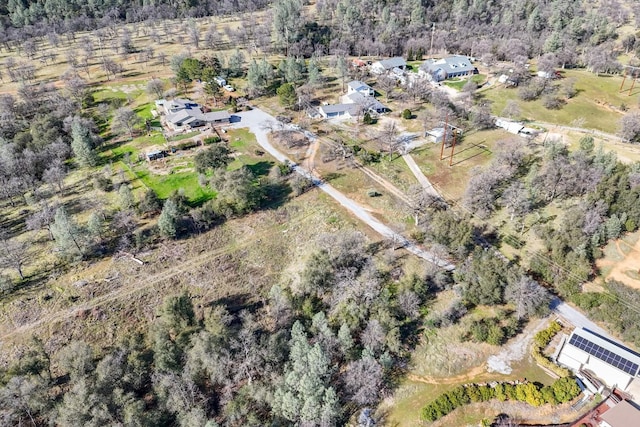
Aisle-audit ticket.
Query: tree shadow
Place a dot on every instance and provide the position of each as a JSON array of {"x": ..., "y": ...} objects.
[
  {"x": 332, "y": 175},
  {"x": 261, "y": 168},
  {"x": 276, "y": 195},
  {"x": 484, "y": 151},
  {"x": 236, "y": 303},
  {"x": 132, "y": 74}
]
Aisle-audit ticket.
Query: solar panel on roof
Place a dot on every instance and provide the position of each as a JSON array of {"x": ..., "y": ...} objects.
[{"x": 603, "y": 354}]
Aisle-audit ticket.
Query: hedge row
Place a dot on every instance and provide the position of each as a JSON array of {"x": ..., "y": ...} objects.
[
  {"x": 562, "y": 390},
  {"x": 540, "y": 341}
]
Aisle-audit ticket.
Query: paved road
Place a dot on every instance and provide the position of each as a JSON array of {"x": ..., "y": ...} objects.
[
  {"x": 576, "y": 317},
  {"x": 422, "y": 179},
  {"x": 255, "y": 120}
]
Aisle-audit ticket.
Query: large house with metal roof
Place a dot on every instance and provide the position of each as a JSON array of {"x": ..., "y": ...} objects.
[
  {"x": 590, "y": 354},
  {"x": 358, "y": 100},
  {"x": 182, "y": 114},
  {"x": 447, "y": 68}
]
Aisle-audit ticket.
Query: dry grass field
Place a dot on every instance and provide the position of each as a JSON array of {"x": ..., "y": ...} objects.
[
  {"x": 235, "y": 263},
  {"x": 621, "y": 261}
]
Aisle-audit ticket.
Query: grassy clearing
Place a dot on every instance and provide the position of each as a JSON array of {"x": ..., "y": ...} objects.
[
  {"x": 164, "y": 186},
  {"x": 458, "y": 83},
  {"x": 184, "y": 136},
  {"x": 597, "y": 102},
  {"x": 474, "y": 150}
]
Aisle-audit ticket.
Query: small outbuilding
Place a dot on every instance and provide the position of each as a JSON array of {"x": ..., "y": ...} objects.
[{"x": 155, "y": 155}]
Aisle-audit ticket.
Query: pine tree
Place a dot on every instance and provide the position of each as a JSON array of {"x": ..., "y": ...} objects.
[
  {"x": 66, "y": 233},
  {"x": 314, "y": 77},
  {"x": 82, "y": 145},
  {"x": 127, "y": 201},
  {"x": 305, "y": 395},
  {"x": 168, "y": 219},
  {"x": 94, "y": 226}
]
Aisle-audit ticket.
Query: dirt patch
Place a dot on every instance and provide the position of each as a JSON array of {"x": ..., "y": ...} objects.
[
  {"x": 470, "y": 375},
  {"x": 627, "y": 270},
  {"x": 515, "y": 350}
]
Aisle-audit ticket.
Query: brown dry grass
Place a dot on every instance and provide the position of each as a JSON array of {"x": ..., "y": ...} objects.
[
  {"x": 134, "y": 68},
  {"x": 235, "y": 263},
  {"x": 622, "y": 261}
]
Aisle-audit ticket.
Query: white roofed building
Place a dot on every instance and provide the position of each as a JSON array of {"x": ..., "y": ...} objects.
[
  {"x": 380, "y": 67},
  {"x": 611, "y": 362},
  {"x": 447, "y": 68}
]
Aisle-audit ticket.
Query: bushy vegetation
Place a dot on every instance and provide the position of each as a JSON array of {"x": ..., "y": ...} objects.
[
  {"x": 317, "y": 350},
  {"x": 561, "y": 391},
  {"x": 617, "y": 307},
  {"x": 540, "y": 341},
  {"x": 493, "y": 330}
]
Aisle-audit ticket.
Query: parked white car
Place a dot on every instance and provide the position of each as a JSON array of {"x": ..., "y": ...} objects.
[{"x": 229, "y": 88}]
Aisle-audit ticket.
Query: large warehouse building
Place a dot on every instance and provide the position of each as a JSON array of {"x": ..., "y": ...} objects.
[{"x": 611, "y": 362}]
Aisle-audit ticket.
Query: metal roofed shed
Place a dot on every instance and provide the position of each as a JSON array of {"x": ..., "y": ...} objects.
[{"x": 435, "y": 134}]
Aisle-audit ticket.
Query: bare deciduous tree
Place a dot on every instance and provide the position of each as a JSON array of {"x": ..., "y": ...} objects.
[{"x": 13, "y": 253}]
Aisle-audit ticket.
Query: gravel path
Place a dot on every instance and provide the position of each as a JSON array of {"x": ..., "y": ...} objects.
[
  {"x": 255, "y": 120},
  {"x": 514, "y": 351},
  {"x": 422, "y": 179}
]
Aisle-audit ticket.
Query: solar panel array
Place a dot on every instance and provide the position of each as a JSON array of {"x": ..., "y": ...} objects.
[{"x": 603, "y": 354}]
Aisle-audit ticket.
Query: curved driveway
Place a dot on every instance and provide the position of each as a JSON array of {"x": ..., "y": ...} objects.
[{"x": 257, "y": 122}]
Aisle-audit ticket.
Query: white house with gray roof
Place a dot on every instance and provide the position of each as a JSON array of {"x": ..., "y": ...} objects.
[
  {"x": 447, "y": 68},
  {"x": 358, "y": 100},
  {"x": 367, "y": 103},
  {"x": 385, "y": 65},
  {"x": 360, "y": 87},
  {"x": 183, "y": 114},
  {"x": 334, "y": 111}
]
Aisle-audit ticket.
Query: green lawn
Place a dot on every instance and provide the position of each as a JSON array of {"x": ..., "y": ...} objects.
[
  {"x": 412, "y": 395},
  {"x": 458, "y": 84},
  {"x": 184, "y": 136},
  {"x": 593, "y": 103},
  {"x": 165, "y": 185}
]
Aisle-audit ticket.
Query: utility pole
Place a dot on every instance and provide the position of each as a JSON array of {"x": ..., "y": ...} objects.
[
  {"x": 444, "y": 136},
  {"x": 624, "y": 78},
  {"x": 453, "y": 147},
  {"x": 433, "y": 30}
]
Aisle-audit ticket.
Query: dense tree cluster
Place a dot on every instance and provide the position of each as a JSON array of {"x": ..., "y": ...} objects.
[
  {"x": 491, "y": 31},
  {"x": 618, "y": 307},
  {"x": 313, "y": 354},
  {"x": 77, "y": 15}
]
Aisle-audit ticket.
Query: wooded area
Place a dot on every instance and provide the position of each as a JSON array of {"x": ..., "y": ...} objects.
[{"x": 326, "y": 347}]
